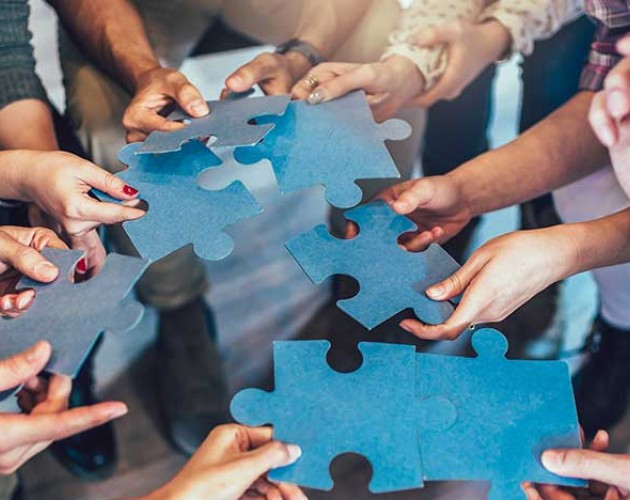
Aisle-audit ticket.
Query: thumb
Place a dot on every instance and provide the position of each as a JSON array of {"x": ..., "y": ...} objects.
[
  {"x": 20, "y": 368},
  {"x": 191, "y": 100},
  {"x": 586, "y": 464},
  {"x": 107, "y": 182},
  {"x": 428, "y": 38},
  {"x": 26, "y": 260},
  {"x": 457, "y": 283}
]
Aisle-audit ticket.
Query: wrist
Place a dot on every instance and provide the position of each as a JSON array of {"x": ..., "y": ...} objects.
[
  {"x": 143, "y": 73},
  {"x": 499, "y": 39},
  {"x": 299, "y": 65},
  {"x": 408, "y": 74},
  {"x": 17, "y": 168}
]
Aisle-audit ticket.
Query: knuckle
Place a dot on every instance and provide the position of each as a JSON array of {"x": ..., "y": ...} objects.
[{"x": 14, "y": 368}]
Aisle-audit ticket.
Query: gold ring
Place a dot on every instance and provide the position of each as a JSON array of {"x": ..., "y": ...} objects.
[{"x": 312, "y": 81}]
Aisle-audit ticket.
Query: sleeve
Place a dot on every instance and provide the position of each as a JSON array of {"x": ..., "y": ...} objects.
[
  {"x": 531, "y": 20},
  {"x": 425, "y": 14},
  {"x": 10, "y": 204},
  {"x": 18, "y": 79},
  {"x": 612, "y": 21}
]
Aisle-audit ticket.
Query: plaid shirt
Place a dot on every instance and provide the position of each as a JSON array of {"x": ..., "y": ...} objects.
[{"x": 613, "y": 21}]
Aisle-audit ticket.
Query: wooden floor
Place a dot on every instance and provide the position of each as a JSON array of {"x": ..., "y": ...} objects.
[{"x": 259, "y": 295}]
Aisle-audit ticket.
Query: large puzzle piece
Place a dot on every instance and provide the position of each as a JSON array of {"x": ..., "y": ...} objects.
[
  {"x": 230, "y": 121},
  {"x": 508, "y": 413},
  {"x": 390, "y": 278},
  {"x": 332, "y": 144},
  {"x": 372, "y": 411},
  {"x": 72, "y": 316},
  {"x": 180, "y": 211}
]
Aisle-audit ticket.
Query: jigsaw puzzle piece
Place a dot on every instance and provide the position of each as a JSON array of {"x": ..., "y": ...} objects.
[
  {"x": 327, "y": 413},
  {"x": 229, "y": 121},
  {"x": 180, "y": 211},
  {"x": 371, "y": 255},
  {"x": 508, "y": 413},
  {"x": 72, "y": 316},
  {"x": 333, "y": 144}
]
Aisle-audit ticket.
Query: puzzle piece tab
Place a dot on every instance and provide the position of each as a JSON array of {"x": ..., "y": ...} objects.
[
  {"x": 229, "y": 121},
  {"x": 371, "y": 411},
  {"x": 180, "y": 211},
  {"x": 508, "y": 413},
  {"x": 390, "y": 278},
  {"x": 72, "y": 316},
  {"x": 333, "y": 144}
]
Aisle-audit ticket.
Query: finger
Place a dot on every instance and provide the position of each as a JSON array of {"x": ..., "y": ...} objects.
[
  {"x": 618, "y": 102},
  {"x": 552, "y": 492},
  {"x": 18, "y": 369},
  {"x": 362, "y": 77},
  {"x": 26, "y": 260},
  {"x": 601, "y": 441},
  {"x": 266, "y": 489},
  {"x": 414, "y": 195},
  {"x": 105, "y": 213},
  {"x": 14, "y": 305},
  {"x": 57, "y": 396},
  {"x": 448, "y": 87},
  {"x": 107, "y": 182},
  {"x": 291, "y": 492},
  {"x": 437, "y": 35},
  {"x": 419, "y": 242},
  {"x": 601, "y": 122},
  {"x": 262, "y": 459},
  {"x": 190, "y": 99},
  {"x": 605, "y": 467},
  {"x": 458, "y": 282},
  {"x": 140, "y": 121},
  {"x": 25, "y": 429},
  {"x": 531, "y": 493},
  {"x": 322, "y": 73},
  {"x": 623, "y": 46},
  {"x": 261, "y": 68}
]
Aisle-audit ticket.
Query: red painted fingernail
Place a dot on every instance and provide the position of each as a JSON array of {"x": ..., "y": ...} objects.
[
  {"x": 82, "y": 266},
  {"x": 130, "y": 191}
]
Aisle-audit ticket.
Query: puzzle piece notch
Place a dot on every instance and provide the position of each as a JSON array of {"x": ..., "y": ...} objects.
[
  {"x": 180, "y": 211},
  {"x": 229, "y": 121},
  {"x": 364, "y": 258},
  {"x": 343, "y": 413},
  {"x": 508, "y": 412},
  {"x": 333, "y": 144},
  {"x": 73, "y": 316}
]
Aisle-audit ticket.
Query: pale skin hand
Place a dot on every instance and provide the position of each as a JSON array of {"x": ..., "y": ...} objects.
[
  {"x": 608, "y": 474},
  {"x": 232, "y": 463},
  {"x": 471, "y": 47},
  {"x": 389, "y": 84},
  {"x": 46, "y": 417},
  {"x": 610, "y": 115},
  {"x": 19, "y": 254}
]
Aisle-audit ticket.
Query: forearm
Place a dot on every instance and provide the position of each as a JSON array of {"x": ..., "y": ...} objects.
[
  {"x": 557, "y": 151},
  {"x": 27, "y": 124},
  {"x": 113, "y": 34},
  {"x": 327, "y": 23}
]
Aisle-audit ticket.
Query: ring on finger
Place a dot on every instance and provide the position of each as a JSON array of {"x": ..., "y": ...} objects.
[{"x": 312, "y": 81}]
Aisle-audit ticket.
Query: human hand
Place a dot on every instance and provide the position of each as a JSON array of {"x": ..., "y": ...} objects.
[
  {"x": 46, "y": 417},
  {"x": 498, "y": 278},
  {"x": 435, "y": 204},
  {"x": 273, "y": 73},
  {"x": 157, "y": 89},
  {"x": 471, "y": 47},
  {"x": 608, "y": 474},
  {"x": 389, "y": 84},
  {"x": 232, "y": 463},
  {"x": 19, "y": 254},
  {"x": 609, "y": 115},
  {"x": 60, "y": 183}
]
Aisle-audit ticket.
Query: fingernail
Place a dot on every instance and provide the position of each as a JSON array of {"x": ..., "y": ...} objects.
[
  {"x": 46, "y": 270},
  {"x": 316, "y": 97},
  {"x": 235, "y": 80},
  {"x": 405, "y": 327},
  {"x": 435, "y": 291},
  {"x": 82, "y": 266},
  {"x": 600, "y": 436},
  {"x": 130, "y": 191},
  {"x": 606, "y": 136},
  {"x": 401, "y": 206},
  {"x": 295, "y": 452},
  {"x": 550, "y": 459},
  {"x": 617, "y": 104},
  {"x": 25, "y": 301},
  {"x": 35, "y": 352},
  {"x": 119, "y": 411},
  {"x": 199, "y": 108}
]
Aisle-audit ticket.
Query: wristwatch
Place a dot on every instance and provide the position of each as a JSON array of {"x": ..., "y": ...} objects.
[{"x": 304, "y": 48}]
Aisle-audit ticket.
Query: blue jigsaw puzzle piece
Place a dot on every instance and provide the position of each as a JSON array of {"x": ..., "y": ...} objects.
[
  {"x": 371, "y": 255},
  {"x": 180, "y": 211},
  {"x": 230, "y": 121},
  {"x": 370, "y": 412},
  {"x": 508, "y": 413},
  {"x": 333, "y": 144},
  {"x": 72, "y": 316}
]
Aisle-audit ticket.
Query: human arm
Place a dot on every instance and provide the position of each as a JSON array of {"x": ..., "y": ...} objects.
[
  {"x": 232, "y": 463},
  {"x": 113, "y": 34},
  {"x": 45, "y": 415},
  {"x": 325, "y": 25},
  {"x": 509, "y": 270}
]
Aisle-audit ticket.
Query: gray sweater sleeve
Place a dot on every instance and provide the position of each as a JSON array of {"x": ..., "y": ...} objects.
[{"x": 18, "y": 79}]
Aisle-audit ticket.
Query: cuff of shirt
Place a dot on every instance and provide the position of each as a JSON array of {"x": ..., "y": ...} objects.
[
  {"x": 595, "y": 71},
  {"x": 430, "y": 62},
  {"x": 17, "y": 84},
  {"x": 10, "y": 204}
]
